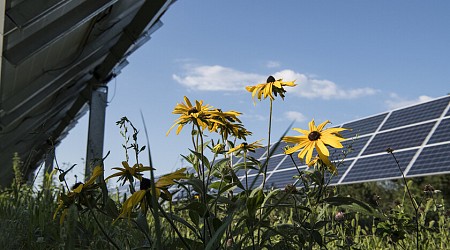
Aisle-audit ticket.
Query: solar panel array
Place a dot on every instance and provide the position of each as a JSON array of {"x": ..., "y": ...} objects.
[{"x": 419, "y": 134}]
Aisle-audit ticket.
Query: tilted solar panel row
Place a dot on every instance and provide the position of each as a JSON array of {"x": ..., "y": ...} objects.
[{"x": 419, "y": 134}]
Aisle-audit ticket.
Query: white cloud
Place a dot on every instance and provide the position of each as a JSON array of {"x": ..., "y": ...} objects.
[
  {"x": 295, "y": 116},
  {"x": 310, "y": 87},
  {"x": 397, "y": 101},
  {"x": 219, "y": 78},
  {"x": 273, "y": 64},
  {"x": 216, "y": 78}
]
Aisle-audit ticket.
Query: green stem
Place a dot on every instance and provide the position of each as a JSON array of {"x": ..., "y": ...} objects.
[
  {"x": 266, "y": 164},
  {"x": 174, "y": 227},
  {"x": 415, "y": 206},
  {"x": 268, "y": 146},
  {"x": 99, "y": 225}
]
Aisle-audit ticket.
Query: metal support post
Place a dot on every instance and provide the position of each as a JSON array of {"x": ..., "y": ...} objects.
[{"x": 96, "y": 128}]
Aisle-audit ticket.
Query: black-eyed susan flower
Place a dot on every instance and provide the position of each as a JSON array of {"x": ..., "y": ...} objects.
[
  {"x": 128, "y": 173},
  {"x": 269, "y": 89},
  {"x": 137, "y": 199},
  {"x": 246, "y": 147},
  {"x": 197, "y": 114},
  {"x": 315, "y": 138},
  {"x": 79, "y": 194},
  {"x": 227, "y": 123}
]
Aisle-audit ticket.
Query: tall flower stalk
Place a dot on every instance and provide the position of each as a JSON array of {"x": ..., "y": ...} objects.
[{"x": 270, "y": 89}]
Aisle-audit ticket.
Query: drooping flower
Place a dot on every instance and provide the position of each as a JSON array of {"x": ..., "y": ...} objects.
[
  {"x": 319, "y": 162},
  {"x": 78, "y": 195},
  {"x": 227, "y": 123},
  {"x": 127, "y": 172},
  {"x": 315, "y": 138},
  {"x": 246, "y": 147},
  {"x": 198, "y": 114},
  {"x": 269, "y": 89}
]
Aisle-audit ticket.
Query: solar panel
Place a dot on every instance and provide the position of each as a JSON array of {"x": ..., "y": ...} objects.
[
  {"x": 379, "y": 167},
  {"x": 259, "y": 152},
  {"x": 351, "y": 148},
  {"x": 442, "y": 132},
  {"x": 417, "y": 113},
  {"x": 400, "y": 138},
  {"x": 281, "y": 179},
  {"x": 363, "y": 126},
  {"x": 419, "y": 134},
  {"x": 431, "y": 160},
  {"x": 342, "y": 168},
  {"x": 288, "y": 163}
]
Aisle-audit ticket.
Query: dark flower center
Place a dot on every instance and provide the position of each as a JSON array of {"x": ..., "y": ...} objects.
[
  {"x": 270, "y": 79},
  {"x": 314, "y": 136},
  {"x": 76, "y": 185},
  {"x": 145, "y": 184},
  {"x": 192, "y": 110}
]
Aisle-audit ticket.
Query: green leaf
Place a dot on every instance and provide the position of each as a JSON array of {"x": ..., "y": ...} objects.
[
  {"x": 202, "y": 158},
  {"x": 197, "y": 184},
  {"x": 183, "y": 221},
  {"x": 216, "y": 223},
  {"x": 353, "y": 204},
  {"x": 111, "y": 209},
  {"x": 254, "y": 201},
  {"x": 214, "y": 241},
  {"x": 196, "y": 206},
  {"x": 317, "y": 237},
  {"x": 194, "y": 217},
  {"x": 320, "y": 224}
]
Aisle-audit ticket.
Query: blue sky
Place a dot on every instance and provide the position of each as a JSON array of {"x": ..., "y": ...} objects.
[{"x": 350, "y": 59}]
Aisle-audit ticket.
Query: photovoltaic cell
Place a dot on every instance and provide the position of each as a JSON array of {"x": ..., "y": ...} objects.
[
  {"x": 258, "y": 182},
  {"x": 433, "y": 159},
  {"x": 351, "y": 147},
  {"x": 258, "y": 153},
  {"x": 287, "y": 163},
  {"x": 279, "y": 149},
  {"x": 398, "y": 139},
  {"x": 418, "y": 113},
  {"x": 442, "y": 132},
  {"x": 274, "y": 161},
  {"x": 341, "y": 167},
  {"x": 379, "y": 167},
  {"x": 281, "y": 179},
  {"x": 362, "y": 127}
]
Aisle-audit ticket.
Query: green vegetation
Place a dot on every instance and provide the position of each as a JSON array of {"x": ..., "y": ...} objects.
[{"x": 220, "y": 211}]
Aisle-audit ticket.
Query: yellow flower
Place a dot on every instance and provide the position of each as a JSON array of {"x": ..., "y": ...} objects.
[
  {"x": 227, "y": 123},
  {"x": 198, "y": 114},
  {"x": 77, "y": 194},
  {"x": 246, "y": 147},
  {"x": 127, "y": 172},
  {"x": 319, "y": 162},
  {"x": 315, "y": 138},
  {"x": 162, "y": 184},
  {"x": 269, "y": 89}
]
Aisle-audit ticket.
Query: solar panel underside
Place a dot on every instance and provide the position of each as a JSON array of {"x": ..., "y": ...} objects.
[{"x": 419, "y": 135}]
